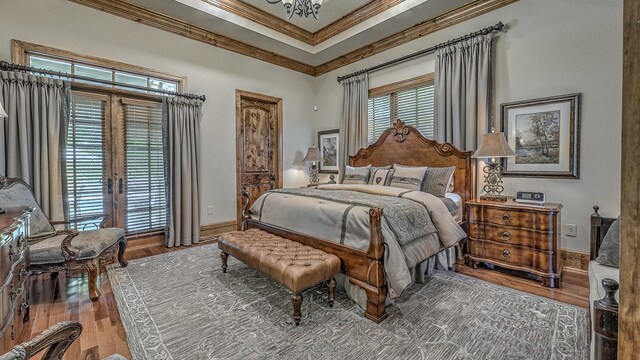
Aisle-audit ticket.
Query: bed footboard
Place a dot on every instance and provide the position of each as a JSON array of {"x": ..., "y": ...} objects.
[{"x": 363, "y": 268}]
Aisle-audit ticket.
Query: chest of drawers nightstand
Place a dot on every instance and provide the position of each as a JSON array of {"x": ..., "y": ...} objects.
[{"x": 515, "y": 236}]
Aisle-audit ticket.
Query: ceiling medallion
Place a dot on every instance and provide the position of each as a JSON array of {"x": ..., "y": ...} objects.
[{"x": 300, "y": 7}]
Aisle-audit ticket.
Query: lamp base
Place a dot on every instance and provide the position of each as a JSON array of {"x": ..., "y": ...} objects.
[
  {"x": 314, "y": 179},
  {"x": 493, "y": 197}
]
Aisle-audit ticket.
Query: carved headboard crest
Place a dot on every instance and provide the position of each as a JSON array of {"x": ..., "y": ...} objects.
[{"x": 399, "y": 130}]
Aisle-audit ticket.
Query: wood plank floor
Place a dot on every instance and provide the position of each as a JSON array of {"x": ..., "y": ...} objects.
[{"x": 66, "y": 298}]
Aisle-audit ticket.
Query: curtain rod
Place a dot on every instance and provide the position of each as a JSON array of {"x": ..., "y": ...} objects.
[
  {"x": 15, "y": 67},
  {"x": 497, "y": 27}
]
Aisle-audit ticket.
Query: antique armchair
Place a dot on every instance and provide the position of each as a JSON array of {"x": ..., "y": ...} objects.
[
  {"x": 56, "y": 340},
  {"x": 54, "y": 250}
]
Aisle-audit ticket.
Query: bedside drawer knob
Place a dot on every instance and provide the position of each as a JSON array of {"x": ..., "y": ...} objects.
[
  {"x": 506, "y": 217},
  {"x": 506, "y": 253},
  {"x": 505, "y": 235}
]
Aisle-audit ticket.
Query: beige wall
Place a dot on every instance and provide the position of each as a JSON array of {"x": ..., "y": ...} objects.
[
  {"x": 210, "y": 71},
  {"x": 551, "y": 48}
]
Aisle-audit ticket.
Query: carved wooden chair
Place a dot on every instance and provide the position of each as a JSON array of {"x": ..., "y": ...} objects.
[
  {"x": 54, "y": 250},
  {"x": 55, "y": 340}
]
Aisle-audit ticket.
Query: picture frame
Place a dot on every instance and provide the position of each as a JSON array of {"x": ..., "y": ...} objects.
[
  {"x": 545, "y": 134},
  {"x": 329, "y": 146}
]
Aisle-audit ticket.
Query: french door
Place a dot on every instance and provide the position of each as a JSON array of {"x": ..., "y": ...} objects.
[{"x": 115, "y": 162}]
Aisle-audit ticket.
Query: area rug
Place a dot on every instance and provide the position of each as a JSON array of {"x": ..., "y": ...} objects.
[{"x": 180, "y": 305}]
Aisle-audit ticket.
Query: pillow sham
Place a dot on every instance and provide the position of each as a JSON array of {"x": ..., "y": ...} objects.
[
  {"x": 381, "y": 176},
  {"x": 356, "y": 175},
  {"x": 437, "y": 180},
  {"x": 408, "y": 177},
  {"x": 609, "y": 253}
]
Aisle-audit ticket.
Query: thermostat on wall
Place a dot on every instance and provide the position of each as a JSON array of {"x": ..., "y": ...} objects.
[{"x": 530, "y": 197}]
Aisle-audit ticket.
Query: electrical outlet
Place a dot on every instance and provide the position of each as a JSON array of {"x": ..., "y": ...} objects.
[
  {"x": 571, "y": 230},
  {"x": 209, "y": 210}
]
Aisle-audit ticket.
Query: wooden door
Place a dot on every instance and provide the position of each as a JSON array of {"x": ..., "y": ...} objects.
[{"x": 258, "y": 142}]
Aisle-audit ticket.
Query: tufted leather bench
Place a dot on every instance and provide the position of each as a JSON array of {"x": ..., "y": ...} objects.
[{"x": 295, "y": 266}]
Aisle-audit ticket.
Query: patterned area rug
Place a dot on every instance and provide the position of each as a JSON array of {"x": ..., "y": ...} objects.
[{"x": 180, "y": 305}]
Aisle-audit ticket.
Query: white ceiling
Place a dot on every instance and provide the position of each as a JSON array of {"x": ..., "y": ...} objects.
[
  {"x": 400, "y": 17},
  {"x": 330, "y": 11}
]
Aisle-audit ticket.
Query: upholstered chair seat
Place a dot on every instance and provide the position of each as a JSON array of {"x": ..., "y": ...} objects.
[
  {"x": 53, "y": 250},
  {"x": 88, "y": 244}
]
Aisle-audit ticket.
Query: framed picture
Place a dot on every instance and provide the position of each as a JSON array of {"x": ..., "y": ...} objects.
[
  {"x": 329, "y": 145},
  {"x": 545, "y": 135}
]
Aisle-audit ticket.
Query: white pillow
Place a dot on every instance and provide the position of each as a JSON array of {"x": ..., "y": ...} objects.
[
  {"x": 356, "y": 175},
  {"x": 408, "y": 177},
  {"x": 380, "y": 176}
]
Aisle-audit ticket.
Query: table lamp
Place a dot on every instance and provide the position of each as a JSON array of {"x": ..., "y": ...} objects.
[
  {"x": 493, "y": 146},
  {"x": 314, "y": 157}
]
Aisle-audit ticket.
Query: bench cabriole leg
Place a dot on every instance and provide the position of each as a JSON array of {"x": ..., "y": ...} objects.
[
  {"x": 296, "y": 301},
  {"x": 224, "y": 256},
  {"x": 331, "y": 284}
]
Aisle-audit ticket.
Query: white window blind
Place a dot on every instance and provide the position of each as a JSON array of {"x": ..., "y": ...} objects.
[
  {"x": 85, "y": 157},
  {"x": 146, "y": 204},
  {"x": 415, "y": 107}
]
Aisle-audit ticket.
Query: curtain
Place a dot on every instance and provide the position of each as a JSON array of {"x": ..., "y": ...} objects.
[
  {"x": 463, "y": 90},
  {"x": 353, "y": 126},
  {"x": 181, "y": 121},
  {"x": 32, "y": 138}
]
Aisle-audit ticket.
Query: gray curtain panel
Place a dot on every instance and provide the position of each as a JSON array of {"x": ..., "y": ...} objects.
[
  {"x": 463, "y": 90},
  {"x": 181, "y": 120},
  {"x": 353, "y": 125},
  {"x": 32, "y": 138}
]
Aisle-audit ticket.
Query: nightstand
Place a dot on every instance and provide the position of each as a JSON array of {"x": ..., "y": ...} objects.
[{"x": 515, "y": 236}]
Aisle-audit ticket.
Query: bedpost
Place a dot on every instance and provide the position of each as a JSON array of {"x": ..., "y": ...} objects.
[
  {"x": 245, "y": 210},
  {"x": 375, "y": 286}
]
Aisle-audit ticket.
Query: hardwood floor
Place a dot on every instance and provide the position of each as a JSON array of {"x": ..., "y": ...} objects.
[{"x": 66, "y": 298}]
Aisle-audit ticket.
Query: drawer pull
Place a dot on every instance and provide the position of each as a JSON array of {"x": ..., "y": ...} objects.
[
  {"x": 505, "y": 235},
  {"x": 506, "y": 217},
  {"x": 506, "y": 254}
]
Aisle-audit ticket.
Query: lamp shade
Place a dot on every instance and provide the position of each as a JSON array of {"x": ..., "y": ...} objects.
[
  {"x": 313, "y": 155},
  {"x": 3, "y": 113},
  {"x": 493, "y": 145}
]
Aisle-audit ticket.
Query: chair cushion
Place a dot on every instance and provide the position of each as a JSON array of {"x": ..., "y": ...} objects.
[
  {"x": 88, "y": 244},
  {"x": 19, "y": 195}
]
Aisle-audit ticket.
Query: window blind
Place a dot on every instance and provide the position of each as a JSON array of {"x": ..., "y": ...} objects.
[
  {"x": 146, "y": 204},
  {"x": 415, "y": 107},
  {"x": 85, "y": 158},
  {"x": 379, "y": 116}
]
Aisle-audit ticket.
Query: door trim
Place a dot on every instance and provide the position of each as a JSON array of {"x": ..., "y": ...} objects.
[{"x": 242, "y": 94}]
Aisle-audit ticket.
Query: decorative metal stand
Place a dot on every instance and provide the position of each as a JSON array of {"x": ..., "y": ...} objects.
[
  {"x": 313, "y": 174},
  {"x": 493, "y": 182}
]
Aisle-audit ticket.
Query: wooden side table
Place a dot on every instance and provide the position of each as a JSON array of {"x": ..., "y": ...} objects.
[{"x": 515, "y": 236}]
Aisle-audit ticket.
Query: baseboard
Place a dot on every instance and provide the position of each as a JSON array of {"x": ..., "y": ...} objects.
[
  {"x": 575, "y": 259},
  {"x": 207, "y": 233},
  {"x": 212, "y": 230}
]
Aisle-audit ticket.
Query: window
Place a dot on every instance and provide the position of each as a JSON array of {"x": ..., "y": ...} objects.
[
  {"x": 102, "y": 73},
  {"x": 114, "y": 151},
  {"x": 412, "y": 101}
]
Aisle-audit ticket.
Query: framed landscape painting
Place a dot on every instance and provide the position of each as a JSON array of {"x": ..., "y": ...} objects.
[
  {"x": 545, "y": 135},
  {"x": 329, "y": 145}
]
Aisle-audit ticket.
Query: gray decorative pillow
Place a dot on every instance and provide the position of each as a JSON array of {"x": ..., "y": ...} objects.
[
  {"x": 609, "y": 253},
  {"x": 380, "y": 176},
  {"x": 436, "y": 180},
  {"x": 408, "y": 177},
  {"x": 356, "y": 175}
]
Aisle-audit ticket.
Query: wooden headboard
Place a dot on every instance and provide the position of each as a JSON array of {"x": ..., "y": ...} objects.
[
  {"x": 403, "y": 144},
  {"x": 599, "y": 227}
]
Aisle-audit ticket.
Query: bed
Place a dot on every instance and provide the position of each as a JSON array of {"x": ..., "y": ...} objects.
[{"x": 364, "y": 264}]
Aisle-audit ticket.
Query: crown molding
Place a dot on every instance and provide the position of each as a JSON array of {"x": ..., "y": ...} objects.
[
  {"x": 453, "y": 17},
  {"x": 158, "y": 20}
]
